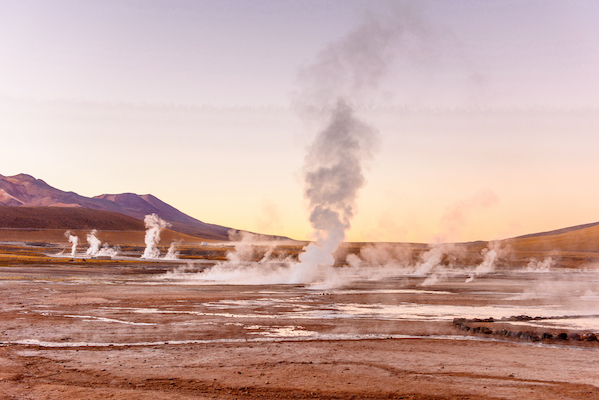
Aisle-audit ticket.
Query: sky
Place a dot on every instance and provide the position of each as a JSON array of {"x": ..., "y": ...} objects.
[{"x": 486, "y": 112}]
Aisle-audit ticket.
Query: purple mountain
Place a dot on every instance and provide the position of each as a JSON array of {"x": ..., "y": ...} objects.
[{"x": 26, "y": 191}]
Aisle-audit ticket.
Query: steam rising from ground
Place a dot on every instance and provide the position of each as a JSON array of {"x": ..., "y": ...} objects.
[
  {"x": 96, "y": 249},
  {"x": 345, "y": 72},
  {"x": 333, "y": 177},
  {"x": 154, "y": 226},
  {"x": 74, "y": 240},
  {"x": 490, "y": 257},
  {"x": 253, "y": 260},
  {"x": 94, "y": 243},
  {"x": 541, "y": 266},
  {"x": 172, "y": 253}
]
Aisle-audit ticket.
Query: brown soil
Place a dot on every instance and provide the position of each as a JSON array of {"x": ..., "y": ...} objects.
[
  {"x": 66, "y": 218},
  {"x": 110, "y": 329}
]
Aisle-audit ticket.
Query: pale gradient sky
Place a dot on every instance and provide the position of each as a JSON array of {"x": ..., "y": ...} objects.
[{"x": 488, "y": 115}]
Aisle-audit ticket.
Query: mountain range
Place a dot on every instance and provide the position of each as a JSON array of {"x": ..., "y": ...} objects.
[
  {"x": 23, "y": 190},
  {"x": 27, "y": 202}
]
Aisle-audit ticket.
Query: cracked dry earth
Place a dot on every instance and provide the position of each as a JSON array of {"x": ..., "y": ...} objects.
[{"x": 97, "y": 333}]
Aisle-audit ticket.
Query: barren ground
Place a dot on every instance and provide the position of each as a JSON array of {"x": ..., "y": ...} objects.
[{"x": 110, "y": 329}]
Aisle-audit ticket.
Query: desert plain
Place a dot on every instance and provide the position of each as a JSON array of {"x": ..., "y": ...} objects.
[{"x": 124, "y": 327}]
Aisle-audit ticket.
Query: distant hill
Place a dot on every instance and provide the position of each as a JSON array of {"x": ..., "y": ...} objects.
[
  {"x": 26, "y": 191},
  {"x": 580, "y": 238},
  {"x": 558, "y": 231},
  {"x": 139, "y": 206}
]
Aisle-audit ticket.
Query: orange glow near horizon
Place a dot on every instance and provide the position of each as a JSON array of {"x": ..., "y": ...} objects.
[{"x": 201, "y": 105}]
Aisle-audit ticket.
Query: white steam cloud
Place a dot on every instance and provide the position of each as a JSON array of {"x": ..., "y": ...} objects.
[
  {"x": 333, "y": 177},
  {"x": 436, "y": 263},
  {"x": 96, "y": 249},
  {"x": 251, "y": 261},
  {"x": 172, "y": 253},
  {"x": 154, "y": 226},
  {"x": 541, "y": 266},
  {"x": 74, "y": 240},
  {"x": 490, "y": 256},
  {"x": 346, "y": 73},
  {"x": 94, "y": 243}
]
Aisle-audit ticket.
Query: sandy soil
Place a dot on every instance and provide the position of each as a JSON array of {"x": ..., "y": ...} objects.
[{"x": 123, "y": 330}]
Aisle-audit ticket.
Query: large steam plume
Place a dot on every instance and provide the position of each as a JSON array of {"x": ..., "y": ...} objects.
[
  {"x": 333, "y": 177},
  {"x": 346, "y": 74},
  {"x": 352, "y": 67},
  {"x": 154, "y": 226}
]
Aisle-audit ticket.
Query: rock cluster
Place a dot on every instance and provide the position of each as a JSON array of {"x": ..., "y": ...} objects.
[{"x": 466, "y": 325}]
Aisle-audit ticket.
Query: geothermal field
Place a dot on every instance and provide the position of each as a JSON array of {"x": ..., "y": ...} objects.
[
  {"x": 213, "y": 156},
  {"x": 245, "y": 319},
  {"x": 162, "y": 314}
]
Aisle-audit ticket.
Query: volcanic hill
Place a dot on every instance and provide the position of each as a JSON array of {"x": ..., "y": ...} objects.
[{"x": 39, "y": 200}]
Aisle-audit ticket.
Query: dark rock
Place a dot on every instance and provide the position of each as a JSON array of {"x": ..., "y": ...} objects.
[
  {"x": 546, "y": 335},
  {"x": 589, "y": 337},
  {"x": 520, "y": 318},
  {"x": 562, "y": 336},
  {"x": 530, "y": 336}
]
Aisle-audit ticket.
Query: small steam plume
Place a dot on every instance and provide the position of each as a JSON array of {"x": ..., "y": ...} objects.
[
  {"x": 172, "y": 253},
  {"x": 248, "y": 246},
  {"x": 244, "y": 246},
  {"x": 94, "y": 243},
  {"x": 541, "y": 266},
  {"x": 96, "y": 248},
  {"x": 154, "y": 226},
  {"x": 241, "y": 265},
  {"x": 74, "y": 240},
  {"x": 435, "y": 263},
  {"x": 430, "y": 260},
  {"x": 490, "y": 256}
]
